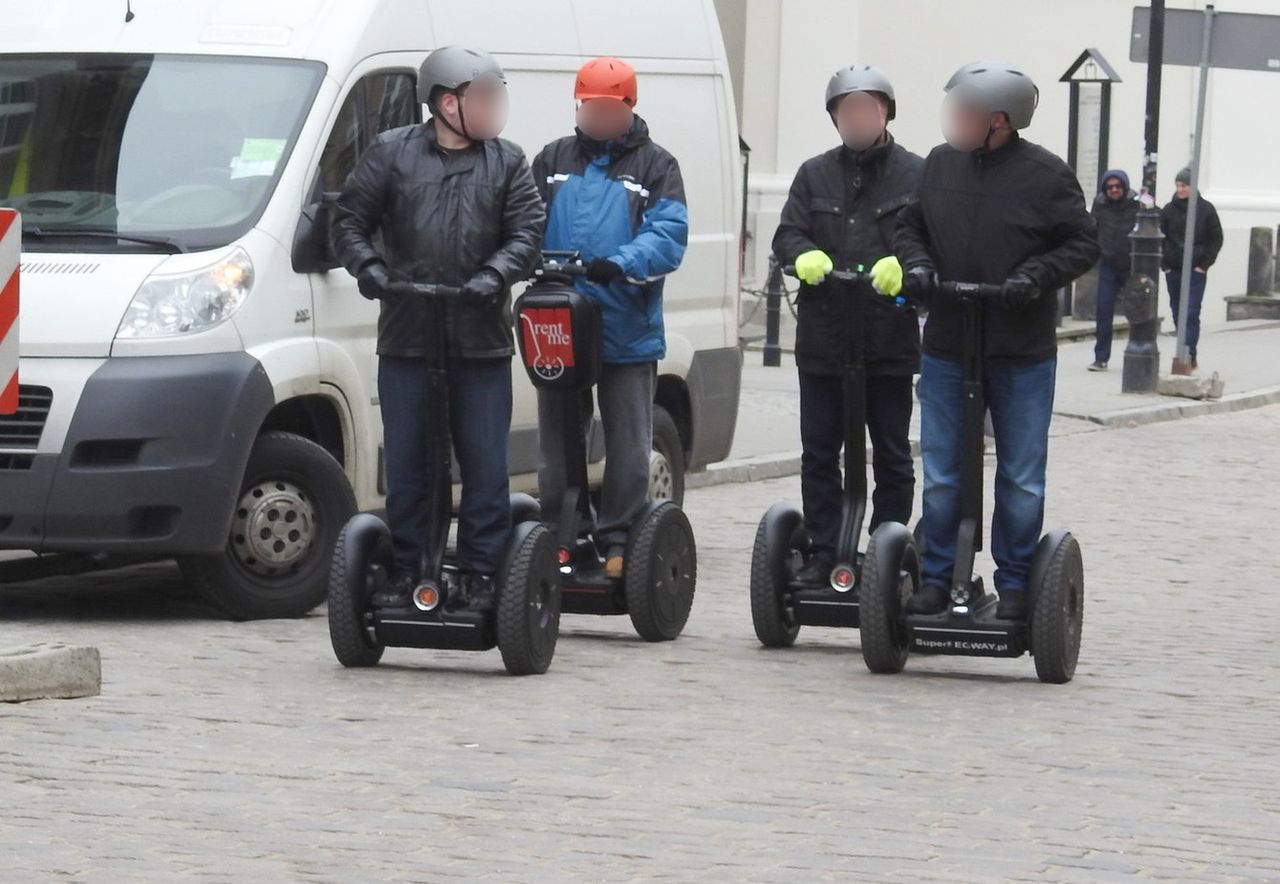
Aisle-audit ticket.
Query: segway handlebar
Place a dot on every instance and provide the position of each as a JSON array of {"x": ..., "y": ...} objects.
[
  {"x": 837, "y": 275},
  {"x": 425, "y": 290},
  {"x": 970, "y": 291},
  {"x": 561, "y": 264}
]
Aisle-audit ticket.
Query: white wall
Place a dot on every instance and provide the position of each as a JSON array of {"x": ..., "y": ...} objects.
[{"x": 790, "y": 50}]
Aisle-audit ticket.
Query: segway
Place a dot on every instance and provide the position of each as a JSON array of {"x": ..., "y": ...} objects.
[
  {"x": 779, "y": 604},
  {"x": 559, "y": 334},
  {"x": 523, "y": 620},
  {"x": 969, "y": 626}
]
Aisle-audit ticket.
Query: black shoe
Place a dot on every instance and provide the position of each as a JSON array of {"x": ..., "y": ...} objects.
[
  {"x": 816, "y": 572},
  {"x": 481, "y": 592},
  {"x": 1013, "y": 606},
  {"x": 929, "y": 599},
  {"x": 398, "y": 593}
]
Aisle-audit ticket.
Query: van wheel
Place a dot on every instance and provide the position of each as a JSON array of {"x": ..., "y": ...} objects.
[
  {"x": 666, "y": 461},
  {"x": 293, "y": 502}
]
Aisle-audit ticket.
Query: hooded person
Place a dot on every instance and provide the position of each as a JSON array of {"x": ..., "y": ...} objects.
[{"x": 1115, "y": 212}]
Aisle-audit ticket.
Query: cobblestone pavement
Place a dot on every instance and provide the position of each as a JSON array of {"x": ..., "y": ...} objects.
[{"x": 243, "y": 752}]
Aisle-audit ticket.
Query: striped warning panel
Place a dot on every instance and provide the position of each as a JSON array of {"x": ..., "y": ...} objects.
[{"x": 10, "y": 256}]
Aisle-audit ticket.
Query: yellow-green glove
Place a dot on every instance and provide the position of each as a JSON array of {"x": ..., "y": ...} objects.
[
  {"x": 886, "y": 276},
  {"x": 813, "y": 266}
]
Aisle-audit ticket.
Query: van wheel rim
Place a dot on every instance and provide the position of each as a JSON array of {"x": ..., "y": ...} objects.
[
  {"x": 661, "y": 482},
  {"x": 273, "y": 528}
]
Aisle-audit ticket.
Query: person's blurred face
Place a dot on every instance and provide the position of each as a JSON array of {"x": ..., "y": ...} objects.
[
  {"x": 967, "y": 125},
  {"x": 480, "y": 110},
  {"x": 1114, "y": 188},
  {"x": 860, "y": 118},
  {"x": 605, "y": 119},
  {"x": 1183, "y": 189}
]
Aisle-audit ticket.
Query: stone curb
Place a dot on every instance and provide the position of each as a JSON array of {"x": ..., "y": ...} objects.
[{"x": 49, "y": 671}]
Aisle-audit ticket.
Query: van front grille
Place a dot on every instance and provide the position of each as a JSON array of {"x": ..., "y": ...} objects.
[{"x": 21, "y": 431}]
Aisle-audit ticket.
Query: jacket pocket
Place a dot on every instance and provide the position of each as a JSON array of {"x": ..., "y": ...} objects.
[{"x": 826, "y": 219}]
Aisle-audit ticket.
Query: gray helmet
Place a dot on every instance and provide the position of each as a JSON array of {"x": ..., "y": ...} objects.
[
  {"x": 860, "y": 78},
  {"x": 999, "y": 87},
  {"x": 452, "y": 67}
]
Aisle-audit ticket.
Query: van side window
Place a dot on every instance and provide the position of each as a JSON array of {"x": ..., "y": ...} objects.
[{"x": 377, "y": 103}]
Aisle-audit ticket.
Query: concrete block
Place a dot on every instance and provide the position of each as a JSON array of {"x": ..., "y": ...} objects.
[
  {"x": 1191, "y": 387},
  {"x": 49, "y": 671}
]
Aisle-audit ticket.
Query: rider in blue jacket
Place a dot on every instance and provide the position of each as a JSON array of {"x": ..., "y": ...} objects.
[{"x": 618, "y": 199}]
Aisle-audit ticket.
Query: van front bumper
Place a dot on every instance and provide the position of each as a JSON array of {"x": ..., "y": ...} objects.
[{"x": 151, "y": 461}]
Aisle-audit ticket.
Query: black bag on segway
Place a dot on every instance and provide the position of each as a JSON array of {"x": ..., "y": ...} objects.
[{"x": 559, "y": 333}]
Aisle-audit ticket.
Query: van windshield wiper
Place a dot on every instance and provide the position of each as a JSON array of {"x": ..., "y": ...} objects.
[{"x": 163, "y": 242}]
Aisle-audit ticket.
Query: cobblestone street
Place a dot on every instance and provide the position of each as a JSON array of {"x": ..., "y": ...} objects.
[{"x": 244, "y": 752}]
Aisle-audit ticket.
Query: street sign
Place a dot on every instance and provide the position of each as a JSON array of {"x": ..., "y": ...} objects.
[
  {"x": 10, "y": 257},
  {"x": 1241, "y": 40}
]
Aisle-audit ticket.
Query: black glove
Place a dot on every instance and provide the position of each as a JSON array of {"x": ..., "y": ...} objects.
[
  {"x": 487, "y": 284},
  {"x": 919, "y": 283},
  {"x": 602, "y": 271},
  {"x": 373, "y": 280},
  {"x": 1018, "y": 290}
]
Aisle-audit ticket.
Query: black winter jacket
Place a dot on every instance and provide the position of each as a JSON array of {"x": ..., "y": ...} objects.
[
  {"x": 1208, "y": 239},
  {"x": 1115, "y": 220},
  {"x": 437, "y": 216},
  {"x": 982, "y": 216},
  {"x": 846, "y": 203}
]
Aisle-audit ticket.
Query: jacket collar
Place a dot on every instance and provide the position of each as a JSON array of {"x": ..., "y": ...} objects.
[{"x": 635, "y": 138}]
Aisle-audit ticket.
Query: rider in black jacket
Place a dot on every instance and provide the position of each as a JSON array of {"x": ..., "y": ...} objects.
[
  {"x": 445, "y": 202},
  {"x": 841, "y": 213},
  {"x": 991, "y": 208}
]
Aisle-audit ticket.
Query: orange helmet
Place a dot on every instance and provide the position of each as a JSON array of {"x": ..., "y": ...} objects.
[{"x": 606, "y": 78}]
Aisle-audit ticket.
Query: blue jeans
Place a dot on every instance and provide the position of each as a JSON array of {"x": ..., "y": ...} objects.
[
  {"x": 1020, "y": 397},
  {"x": 1174, "y": 278},
  {"x": 479, "y": 422},
  {"x": 1110, "y": 281}
]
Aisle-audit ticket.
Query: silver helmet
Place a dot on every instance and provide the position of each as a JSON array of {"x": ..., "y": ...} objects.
[
  {"x": 999, "y": 87},
  {"x": 860, "y": 78},
  {"x": 452, "y": 67}
]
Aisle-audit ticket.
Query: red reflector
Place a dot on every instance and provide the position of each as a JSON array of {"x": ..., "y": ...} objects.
[{"x": 562, "y": 556}]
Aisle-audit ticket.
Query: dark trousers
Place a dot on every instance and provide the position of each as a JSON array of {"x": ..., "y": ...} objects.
[
  {"x": 889, "y": 403},
  {"x": 1110, "y": 281},
  {"x": 479, "y": 422},
  {"x": 1174, "y": 279}
]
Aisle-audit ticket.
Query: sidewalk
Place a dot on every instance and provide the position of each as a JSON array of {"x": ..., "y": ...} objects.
[{"x": 767, "y": 441}]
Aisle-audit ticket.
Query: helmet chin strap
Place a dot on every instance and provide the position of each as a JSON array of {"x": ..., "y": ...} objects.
[{"x": 462, "y": 119}]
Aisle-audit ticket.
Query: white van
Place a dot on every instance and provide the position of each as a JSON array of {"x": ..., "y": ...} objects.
[{"x": 197, "y": 380}]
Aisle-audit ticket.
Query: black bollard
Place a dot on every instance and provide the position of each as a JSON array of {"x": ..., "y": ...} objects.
[
  {"x": 1141, "y": 300},
  {"x": 773, "y": 315}
]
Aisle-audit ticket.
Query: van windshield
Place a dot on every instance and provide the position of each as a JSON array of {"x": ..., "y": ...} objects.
[{"x": 132, "y": 153}]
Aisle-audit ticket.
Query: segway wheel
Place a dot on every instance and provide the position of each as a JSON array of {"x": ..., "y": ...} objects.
[
  {"x": 661, "y": 572},
  {"x": 1057, "y": 607},
  {"x": 890, "y": 575},
  {"x": 778, "y": 550},
  {"x": 529, "y": 601},
  {"x": 361, "y": 557}
]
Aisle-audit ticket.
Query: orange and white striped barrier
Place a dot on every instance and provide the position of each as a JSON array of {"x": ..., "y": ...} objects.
[{"x": 10, "y": 258}]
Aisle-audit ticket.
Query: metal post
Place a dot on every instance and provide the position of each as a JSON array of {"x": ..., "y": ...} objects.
[
  {"x": 1182, "y": 359},
  {"x": 773, "y": 314},
  {"x": 1141, "y": 354}
]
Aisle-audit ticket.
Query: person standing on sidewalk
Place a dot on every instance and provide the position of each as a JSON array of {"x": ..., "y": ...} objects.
[
  {"x": 446, "y": 201},
  {"x": 617, "y": 198},
  {"x": 841, "y": 213},
  {"x": 991, "y": 208},
  {"x": 1115, "y": 211},
  {"x": 1205, "y": 246}
]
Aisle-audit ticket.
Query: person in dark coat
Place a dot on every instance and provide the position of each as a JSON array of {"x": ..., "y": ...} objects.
[
  {"x": 841, "y": 213},
  {"x": 1115, "y": 211},
  {"x": 991, "y": 208},
  {"x": 1205, "y": 246},
  {"x": 445, "y": 202}
]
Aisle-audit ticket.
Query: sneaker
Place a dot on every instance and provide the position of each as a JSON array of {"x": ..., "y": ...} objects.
[
  {"x": 398, "y": 593},
  {"x": 929, "y": 599},
  {"x": 1098, "y": 365},
  {"x": 1013, "y": 605},
  {"x": 815, "y": 572},
  {"x": 613, "y": 563}
]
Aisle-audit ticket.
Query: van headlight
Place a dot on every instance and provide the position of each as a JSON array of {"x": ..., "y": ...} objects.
[{"x": 180, "y": 304}]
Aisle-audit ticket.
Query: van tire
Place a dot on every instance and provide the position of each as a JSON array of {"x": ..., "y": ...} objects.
[
  {"x": 303, "y": 485},
  {"x": 666, "y": 466}
]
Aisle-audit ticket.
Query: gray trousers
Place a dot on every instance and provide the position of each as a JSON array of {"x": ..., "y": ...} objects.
[{"x": 625, "y": 397}]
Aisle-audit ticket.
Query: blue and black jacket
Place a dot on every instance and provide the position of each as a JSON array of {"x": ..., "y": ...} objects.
[{"x": 624, "y": 201}]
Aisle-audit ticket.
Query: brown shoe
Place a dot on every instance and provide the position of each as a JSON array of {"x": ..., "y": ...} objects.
[{"x": 613, "y": 564}]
